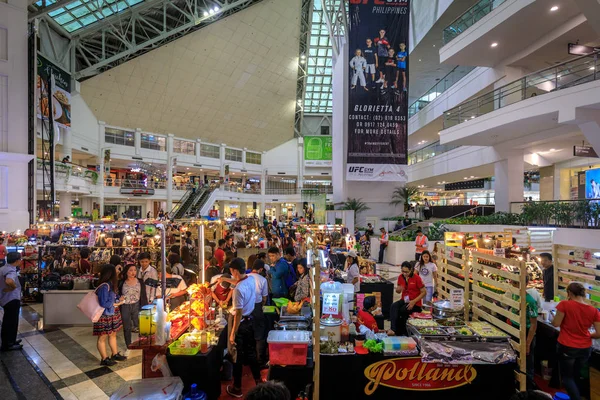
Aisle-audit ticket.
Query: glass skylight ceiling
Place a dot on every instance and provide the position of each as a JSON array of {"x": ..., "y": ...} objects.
[
  {"x": 317, "y": 99},
  {"x": 81, "y": 13}
]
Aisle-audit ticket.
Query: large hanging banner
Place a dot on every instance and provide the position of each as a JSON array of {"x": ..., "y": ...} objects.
[
  {"x": 317, "y": 151},
  {"x": 60, "y": 96},
  {"x": 378, "y": 96}
]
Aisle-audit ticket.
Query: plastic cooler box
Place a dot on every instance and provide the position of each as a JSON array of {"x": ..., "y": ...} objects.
[
  {"x": 288, "y": 347},
  {"x": 150, "y": 389}
]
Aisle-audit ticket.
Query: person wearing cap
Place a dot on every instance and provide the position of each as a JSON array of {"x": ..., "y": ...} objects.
[
  {"x": 352, "y": 270},
  {"x": 383, "y": 243},
  {"x": 421, "y": 244}
]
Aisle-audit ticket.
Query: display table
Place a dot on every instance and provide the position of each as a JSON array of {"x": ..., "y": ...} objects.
[
  {"x": 202, "y": 369},
  {"x": 375, "y": 376},
  {"x": 60, "y": 307},
  {"x": 386, "y": 288}
]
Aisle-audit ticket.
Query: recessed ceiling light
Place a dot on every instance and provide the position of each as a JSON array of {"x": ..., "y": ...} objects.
[
  {"x": 494, "y": 44},
  {"x": 592, "y": 68},
  {"x": 419, "y": 60},
  {"x": 472, "y": 176},
  {"x": 434, "y": 45},
  {"x": 439, "y": 183},
  {"x": 554, "y": 8},
  {"x": 552, "y": 149}
]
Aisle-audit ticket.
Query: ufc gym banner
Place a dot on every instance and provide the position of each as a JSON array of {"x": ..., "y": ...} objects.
[{"x": 378, "y": 96}]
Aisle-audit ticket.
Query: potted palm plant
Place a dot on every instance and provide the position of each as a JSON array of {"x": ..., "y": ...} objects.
[{"x": 404, "y": 195}]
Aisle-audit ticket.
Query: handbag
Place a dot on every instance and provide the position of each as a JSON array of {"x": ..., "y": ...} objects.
[{"x": 90, "y": 305}]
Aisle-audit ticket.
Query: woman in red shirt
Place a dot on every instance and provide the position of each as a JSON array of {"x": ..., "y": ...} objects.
[
  {"x": 411, "y": 288},
  {"x": 364, "y": 316},
  {"x": 575, "y": 317}
]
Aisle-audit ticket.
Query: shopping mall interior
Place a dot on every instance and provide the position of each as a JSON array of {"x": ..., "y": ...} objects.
[{"x": 350, "y": 139}]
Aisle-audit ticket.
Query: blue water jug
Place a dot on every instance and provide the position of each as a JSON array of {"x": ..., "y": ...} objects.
[
  {"x": 561, "y": 396},
  {"x": 196, "y": 394}
]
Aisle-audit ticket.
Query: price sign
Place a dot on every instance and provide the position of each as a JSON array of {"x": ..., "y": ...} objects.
[
  {"x": 499, "y": 252},
  {"x": 331, "y": 303},
  {"x": 457, "y": 298}
]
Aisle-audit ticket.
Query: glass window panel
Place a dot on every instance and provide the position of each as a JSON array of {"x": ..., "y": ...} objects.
[
  {"x": 107, "y": 11},
  {"x": 88, "y": 19},
  {"x": 73, "y": 26},
  {"x": 233, "y": 155},
  {"x": 208, "y": 150},
  {"x": 73, "y": 5},
  {"x": 253, "y": 158},
  {"x": 63, "y": 19},
  {"x": 56, "y": 12}
]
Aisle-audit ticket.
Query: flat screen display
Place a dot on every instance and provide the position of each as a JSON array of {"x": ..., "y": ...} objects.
[{"x": 592, "y": 184}]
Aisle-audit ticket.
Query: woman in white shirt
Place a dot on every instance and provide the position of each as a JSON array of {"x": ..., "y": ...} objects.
[
  {"x": 427, "y": 270},
  {"x": 352, "y": 270}
]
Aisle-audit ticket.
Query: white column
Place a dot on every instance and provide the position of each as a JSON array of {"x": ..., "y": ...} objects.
[
  {"x": 64, "y": 210},
  {"x": 101, "y": 133},
  {"x": 222, "y": 159},
  {"x": 263, "y": 185},
  {"x": 137, "y": 141},
  {"x": 508, "y": 186},
  {"x": 300, "y": 163},
  {"x": 244, "y": 157},
  {"x": 169, "y": 172},
  {"x": 67, "y": 147},
  {"x": 198, "y": 144}
]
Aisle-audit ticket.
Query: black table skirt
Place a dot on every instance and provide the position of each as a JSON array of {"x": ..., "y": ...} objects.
[
  {"x": 344, "y": 377},
  {"x": 201, "y": 369},
  {"x": 387, "y": 294}
]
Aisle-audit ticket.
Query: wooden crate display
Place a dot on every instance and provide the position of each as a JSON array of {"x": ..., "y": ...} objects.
[
  {"x": 451, "y": 273},
  {"x": 576, "y": 264}
]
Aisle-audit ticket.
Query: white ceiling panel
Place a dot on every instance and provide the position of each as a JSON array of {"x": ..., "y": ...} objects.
[{"x": 232, "y": 82}]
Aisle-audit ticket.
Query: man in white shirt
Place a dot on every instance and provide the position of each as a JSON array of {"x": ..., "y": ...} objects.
[
  {"x": 242, "y": 329},
  {"x": 147, "y": 271},
  {"x": 383, "y": 243},
  {"x": 260, "y": 323}
]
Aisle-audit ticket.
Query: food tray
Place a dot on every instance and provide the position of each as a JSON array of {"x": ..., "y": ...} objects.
[
  {"x": 455, "y": 334},
  {"x": 422, "y": 323},
  {"x": 429, "y": 333},
  {"x": 487, "y": 332},
  {"x": 452, "y": 322},
  {"x": 175, "y": 350}
]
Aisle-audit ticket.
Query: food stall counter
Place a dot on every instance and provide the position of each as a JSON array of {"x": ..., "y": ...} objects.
[{"x": 60, "y": 307}]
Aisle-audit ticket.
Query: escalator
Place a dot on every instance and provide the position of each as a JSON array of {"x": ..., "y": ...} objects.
[{"x": 191, "y": 203}]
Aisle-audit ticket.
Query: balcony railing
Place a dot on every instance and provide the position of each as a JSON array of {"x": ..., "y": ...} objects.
[
  {"x": 562, "y": 76},
  {"x": 428, "y": 152},
  {"x": 71, "y": 170},
  {"x": 470, "y": 18},
  {"x": 440, "y": 87}
]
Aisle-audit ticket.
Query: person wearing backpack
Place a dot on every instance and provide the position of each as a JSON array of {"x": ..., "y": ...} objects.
[{"x": 278, "y": 273}]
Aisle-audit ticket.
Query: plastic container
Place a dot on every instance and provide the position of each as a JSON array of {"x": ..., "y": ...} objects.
[
  {"x": 180, "y": 351},
  {"x": 150, "y": 389},
  {"x": 288, "y": 347}
]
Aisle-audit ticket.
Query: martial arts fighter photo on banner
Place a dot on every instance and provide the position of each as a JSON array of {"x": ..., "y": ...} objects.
[{"x": 378, "y": 97}]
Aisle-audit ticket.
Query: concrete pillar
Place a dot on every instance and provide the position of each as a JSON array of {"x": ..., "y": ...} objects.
[
  {"x": 222, "y": 160},
  {"x": 244, "y": 150},
  {"x": 65, "y": 205},
  {"x": 509, "y": 181},
  {"x": 137, "y": 141},
  {"x": 300, "y": 164},
  {"x": 546, "y": 183},
  {"x": 101, "y": 133},
  {"x": 263, "y": 185},
  {"x": 67, "y": 147},
  {"x": 169, "y": 172},
  {"x": 197, "y": 148}
]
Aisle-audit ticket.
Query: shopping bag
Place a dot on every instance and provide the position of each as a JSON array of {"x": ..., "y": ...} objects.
[{"x": 90, "y": 306}]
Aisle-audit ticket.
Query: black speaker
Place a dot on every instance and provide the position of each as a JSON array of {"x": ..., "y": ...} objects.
[{"x": 254, "y": 205}]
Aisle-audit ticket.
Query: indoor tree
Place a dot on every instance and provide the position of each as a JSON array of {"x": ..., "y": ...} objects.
[
  {"x": 404, "y": 195},
  {"x": 357, "y": 205}
]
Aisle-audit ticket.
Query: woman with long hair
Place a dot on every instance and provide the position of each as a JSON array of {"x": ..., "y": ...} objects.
[
  {"x": 303, "y": 286},
  {"x": 133, "y": 293},
  {"x": 427, "y": 270},
  {"x": 60, "y": 259},
  {"x": 575, "y": 317},
  {"x": 110, "y": 322},
  {"x": 115, "y": 260},
  {"x": 186, "y": 257}
]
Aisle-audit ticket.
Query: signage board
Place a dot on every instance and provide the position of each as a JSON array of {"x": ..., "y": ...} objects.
[
  {"x": 318, "y": 151},
  {"x": 137, "y": 191},
  {"x": 584, "y": 151}
]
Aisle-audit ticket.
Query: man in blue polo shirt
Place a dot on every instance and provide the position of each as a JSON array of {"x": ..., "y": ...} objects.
[{"x": 10, "y": 301}]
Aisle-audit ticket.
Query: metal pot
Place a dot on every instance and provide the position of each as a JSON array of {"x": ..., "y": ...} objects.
[{"x": 442, "y": 309}]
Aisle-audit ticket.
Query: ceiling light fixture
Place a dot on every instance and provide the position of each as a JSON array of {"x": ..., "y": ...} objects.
[
  {"x": 216, "y": 9},
  {"x": 592, "y": 68},
  {"x": 554, "y": 8},
  {"x": 211, "y": 12},
  {"x": 206, "y": 13},
  {"x": 552, "y": 149},
  {"x": 495, "y": 44}
]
